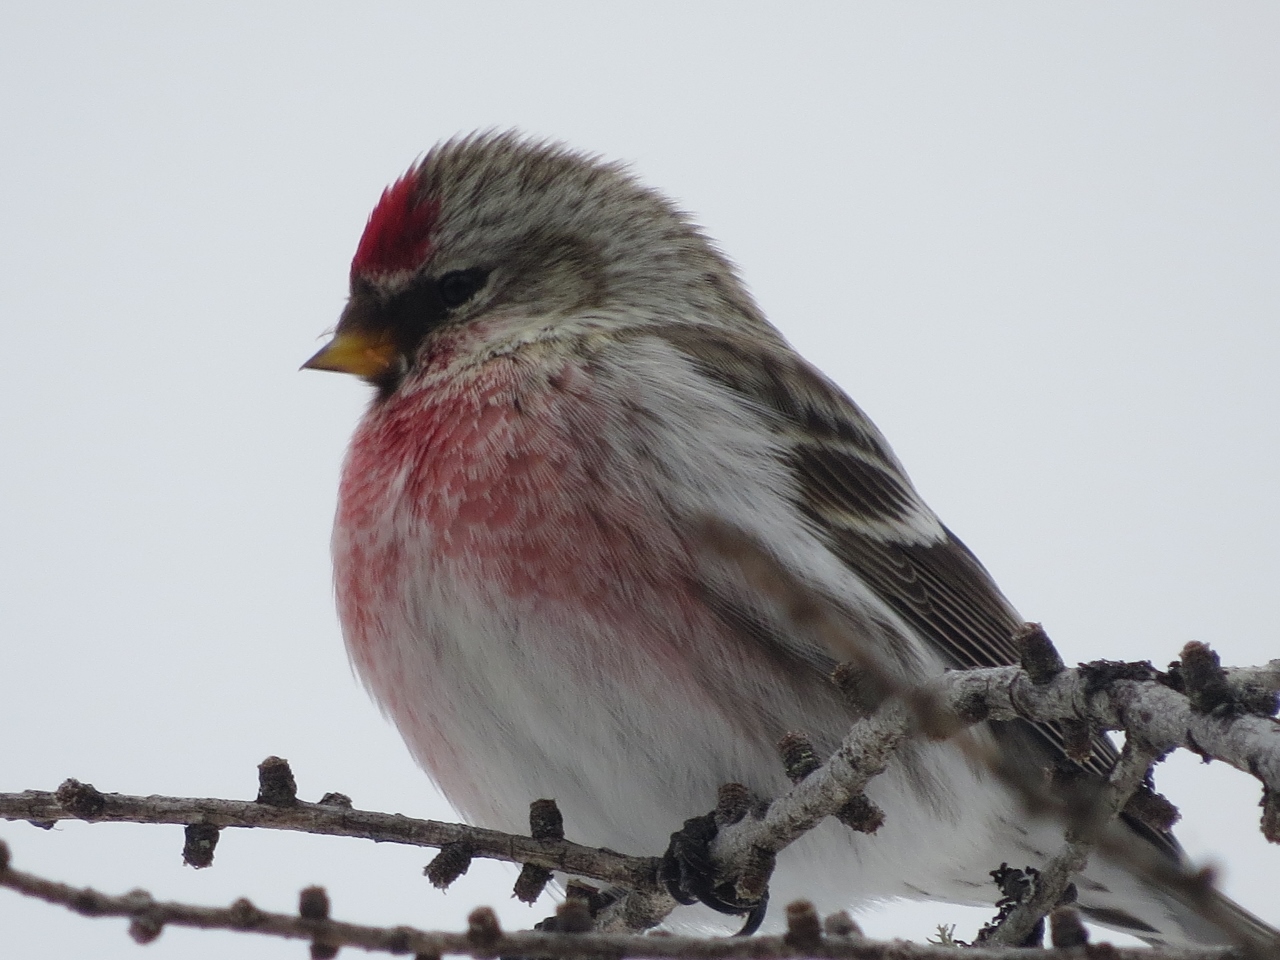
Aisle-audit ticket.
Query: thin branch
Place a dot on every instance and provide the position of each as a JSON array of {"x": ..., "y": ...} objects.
[
  {"x": 43, "y": 807},
  {"x": 1149, "y": 712},
  {"x": 1162, "y": 717},
  {"x": 1244, "y": 680},
  {"x": 484, "y": 939},
  {"x": 863, "y": 754},
  {"x": 1057, "y": 875}
]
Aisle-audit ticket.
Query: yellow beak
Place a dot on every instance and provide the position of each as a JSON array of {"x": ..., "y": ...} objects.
[{"x": 361, "y": 354}]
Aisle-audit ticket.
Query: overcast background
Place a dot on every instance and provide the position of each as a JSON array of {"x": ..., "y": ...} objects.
[{"x": 1037, "y": 242}]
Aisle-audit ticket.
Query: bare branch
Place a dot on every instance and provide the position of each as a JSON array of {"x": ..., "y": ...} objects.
[
  {"x": 1057, "y": 875},
  {"x": 43, "y": 807},
  {"x": 1162, "y": 717},
  {"x": 865, "y": 753},
  {"x": 484, "y": 939},
  {"x": 1152, "y": 714}
]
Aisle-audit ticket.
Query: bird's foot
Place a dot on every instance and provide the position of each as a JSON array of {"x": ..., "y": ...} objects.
[{"x": 689, "y": 875}]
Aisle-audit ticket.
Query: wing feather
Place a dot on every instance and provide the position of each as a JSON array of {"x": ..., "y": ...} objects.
[{"x": 852, "y": 488}]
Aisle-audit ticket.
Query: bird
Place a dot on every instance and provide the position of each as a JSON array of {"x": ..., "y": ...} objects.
[{"x": 570, "y": 381}]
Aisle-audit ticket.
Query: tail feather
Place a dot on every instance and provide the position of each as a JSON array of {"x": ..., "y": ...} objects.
[{"x": 1173, "y": 915}]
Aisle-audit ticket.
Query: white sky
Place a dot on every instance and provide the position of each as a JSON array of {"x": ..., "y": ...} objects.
[{"x": 1039, "y": 243}]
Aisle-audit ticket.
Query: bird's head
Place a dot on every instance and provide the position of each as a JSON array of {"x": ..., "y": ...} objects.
[{"x": 518, "y": 241}]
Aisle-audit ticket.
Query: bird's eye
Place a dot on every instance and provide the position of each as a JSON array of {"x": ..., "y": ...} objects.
[{"x": 458, "y": 287}]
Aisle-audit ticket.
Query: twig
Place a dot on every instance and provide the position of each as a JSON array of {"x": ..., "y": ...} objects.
[
  {"x": 485, "y": 940},
  {"x": 1162, "y": 717},
  {"x": 43, "y": 807},
  {"x": 1149, "y": 712},
  {"x": 1057, "y": 875},
  {"x": 864, "y": 753}
]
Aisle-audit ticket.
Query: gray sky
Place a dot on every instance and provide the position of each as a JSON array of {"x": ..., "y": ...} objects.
[{"x": 1038, "y": 243}]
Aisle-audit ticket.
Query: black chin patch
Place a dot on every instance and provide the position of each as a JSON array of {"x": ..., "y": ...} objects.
[{"x": 408, "y": 316}]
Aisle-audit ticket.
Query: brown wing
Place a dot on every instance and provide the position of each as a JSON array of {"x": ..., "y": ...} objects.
[{"x": 850, "y": 485}]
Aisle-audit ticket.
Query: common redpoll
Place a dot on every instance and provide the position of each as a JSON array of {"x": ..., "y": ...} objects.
[{"x": 570, "y": 382}]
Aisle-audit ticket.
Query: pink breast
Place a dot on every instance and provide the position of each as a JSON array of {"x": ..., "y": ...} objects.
[
  {"x": 509, "y": 476},
  {"x": 508, "y": 492}
]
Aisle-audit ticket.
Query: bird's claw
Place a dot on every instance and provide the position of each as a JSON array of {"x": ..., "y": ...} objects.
[{"x": 688, "y": 873}]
